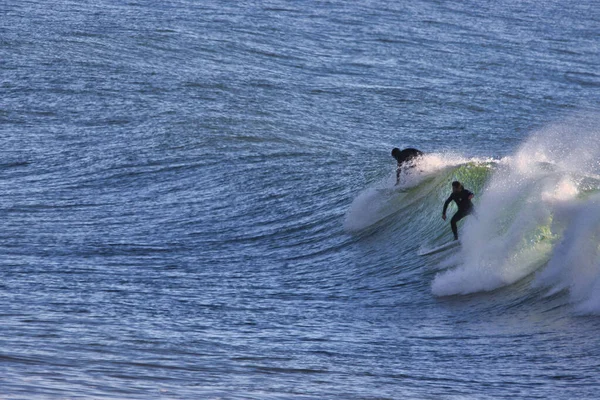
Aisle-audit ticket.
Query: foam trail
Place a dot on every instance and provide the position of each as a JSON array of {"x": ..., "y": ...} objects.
[
  {"x": 366, "y": 209},
  {"x": 514, "y": 233}
]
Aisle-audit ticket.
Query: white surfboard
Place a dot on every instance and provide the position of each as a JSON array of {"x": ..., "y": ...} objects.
[{"x": 428, "y": 251}]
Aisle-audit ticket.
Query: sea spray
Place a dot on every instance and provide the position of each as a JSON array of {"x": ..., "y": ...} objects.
[
  {"x": 515, "y": 230},
  {"x": 575, "y": 262}
]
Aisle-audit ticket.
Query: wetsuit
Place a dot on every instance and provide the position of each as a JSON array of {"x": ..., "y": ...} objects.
[
  {"x": 404, "y": 157},
  {"x": 465, "y": 207}
]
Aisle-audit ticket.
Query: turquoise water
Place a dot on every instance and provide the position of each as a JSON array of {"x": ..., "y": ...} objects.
[{"x": 198, "y": 200}]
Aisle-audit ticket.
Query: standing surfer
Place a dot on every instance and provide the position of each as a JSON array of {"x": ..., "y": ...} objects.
[
  {"x": 405, "y": 158},
  {"x": 462, "y": 197}
]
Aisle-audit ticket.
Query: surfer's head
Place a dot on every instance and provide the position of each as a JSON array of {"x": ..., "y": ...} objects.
[
  {"x": 396, "y": 153},
  {"x": 457, "y": 186}
]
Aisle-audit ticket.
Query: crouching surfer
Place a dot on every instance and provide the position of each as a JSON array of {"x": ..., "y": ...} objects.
[
  {"x": 462, "y": 197},
  {"x": 406, "y": 159}
]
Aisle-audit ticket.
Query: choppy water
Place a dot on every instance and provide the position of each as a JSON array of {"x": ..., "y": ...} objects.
[{"x": 197, "y": 199}]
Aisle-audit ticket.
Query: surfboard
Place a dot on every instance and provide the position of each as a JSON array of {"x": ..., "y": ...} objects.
[{"x": 451, "y": 245}]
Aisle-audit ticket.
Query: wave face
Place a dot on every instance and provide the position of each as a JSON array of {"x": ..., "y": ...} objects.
[
  {"x": 420, "y": 185},
  {"x": 538, "y": 212}
]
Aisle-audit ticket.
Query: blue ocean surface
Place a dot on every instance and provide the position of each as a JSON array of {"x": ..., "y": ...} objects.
[{"x": 198, "y": 200}]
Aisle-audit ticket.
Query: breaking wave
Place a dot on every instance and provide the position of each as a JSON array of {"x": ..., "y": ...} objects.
[{"x": 538, "y": 215}]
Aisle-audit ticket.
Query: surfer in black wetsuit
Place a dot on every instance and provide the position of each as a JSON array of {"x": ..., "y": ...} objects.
[
  {"x": 405, "y": 158},
  {"x": 462, "y": 197}
]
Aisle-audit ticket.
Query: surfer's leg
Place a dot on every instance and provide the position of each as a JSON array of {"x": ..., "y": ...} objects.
[{"x": 457, "y": 217}]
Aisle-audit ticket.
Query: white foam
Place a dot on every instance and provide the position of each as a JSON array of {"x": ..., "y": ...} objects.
[
  {"x": 365, "y": 210},
  {"x": 575, "y": 262},
  {"x": 516, "y": 227}
]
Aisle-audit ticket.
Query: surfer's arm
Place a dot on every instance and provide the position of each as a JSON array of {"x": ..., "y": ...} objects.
[
  {"x": 398, "y": 172},
  {"x": 446, "y": 206}
]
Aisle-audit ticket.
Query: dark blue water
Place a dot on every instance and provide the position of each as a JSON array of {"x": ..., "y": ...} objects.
[{"x": 176, "y": 179}]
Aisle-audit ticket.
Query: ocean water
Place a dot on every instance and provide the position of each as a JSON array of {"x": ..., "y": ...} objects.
[{"x": 197, "y": 199}]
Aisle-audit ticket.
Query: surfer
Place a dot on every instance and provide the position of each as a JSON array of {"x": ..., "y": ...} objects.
[
  {"x": 405, "y": 158},
  {"x": 462, "y": 197}
]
